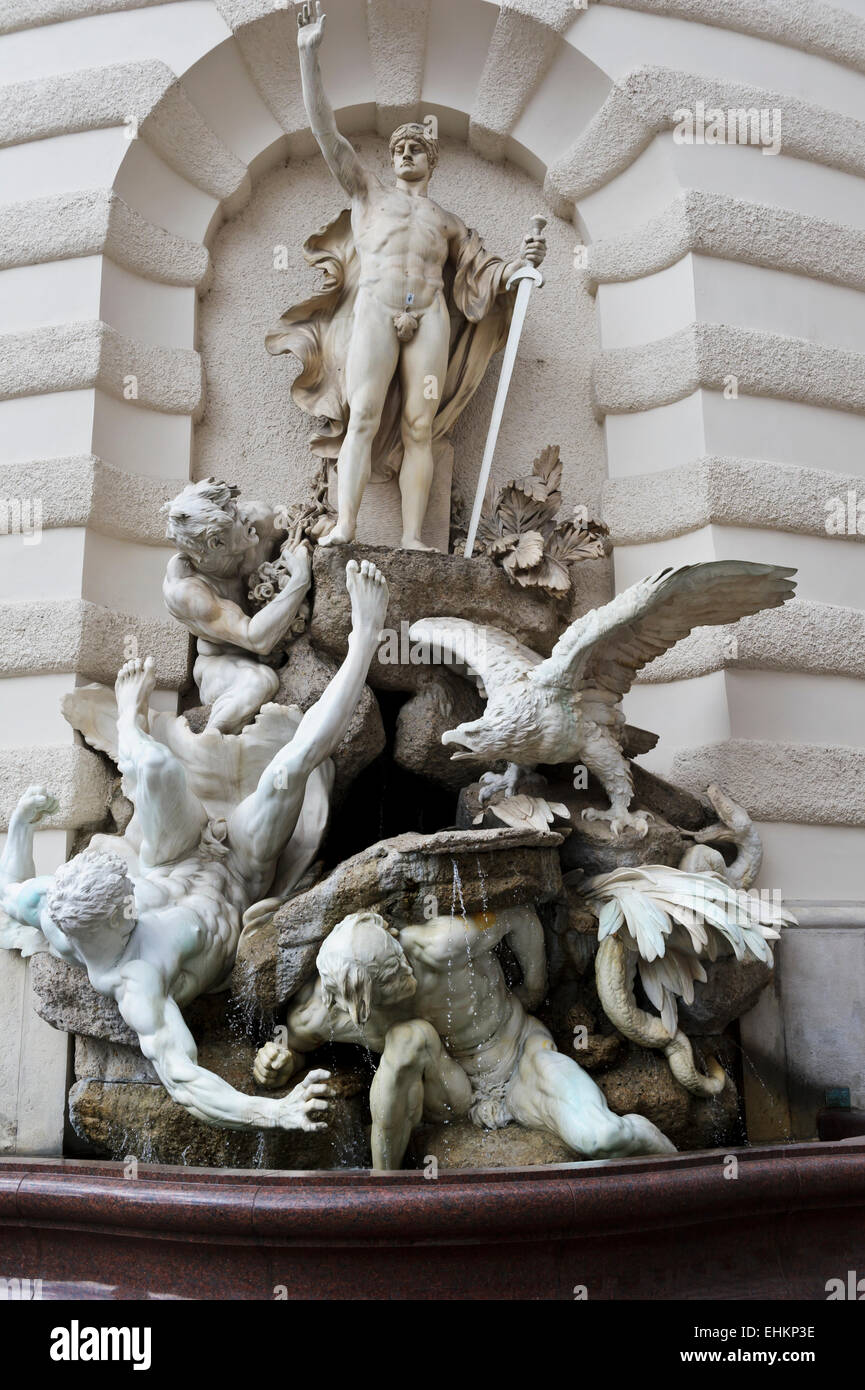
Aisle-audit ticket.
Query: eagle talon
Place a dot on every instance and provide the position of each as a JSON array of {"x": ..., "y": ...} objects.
[
  {"x": 620, "y": 820},
  {"x": 507, "y": 782}
]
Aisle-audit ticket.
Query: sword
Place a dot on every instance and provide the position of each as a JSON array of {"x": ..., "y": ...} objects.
[{"x": 528, "y": 277}]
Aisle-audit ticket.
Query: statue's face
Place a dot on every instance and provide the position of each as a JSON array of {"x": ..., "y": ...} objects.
[
  {"x": 235, "y": 538},
  {"x": 410, "y": 160}
]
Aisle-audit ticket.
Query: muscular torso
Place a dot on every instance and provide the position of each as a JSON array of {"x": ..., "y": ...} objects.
[
  {"x": 189, "y": 923},
  {"x": 180, "y": 573},
  {"x": 403, "y": 243},
  {"x": 467, "y": 1003}
]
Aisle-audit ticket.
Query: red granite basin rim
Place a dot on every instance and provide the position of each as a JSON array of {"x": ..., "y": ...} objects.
[{"x": 349, "y": 1207}]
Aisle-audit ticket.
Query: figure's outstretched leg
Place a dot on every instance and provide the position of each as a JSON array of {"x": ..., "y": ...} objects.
[
  {"x": 170, "y": 817},
  {"x": 606, "y": 761},
  {"x": 372, "y": 357},
  {"x": 422, "y": 370},
  {"x": 551, "y": 1091},
  {"x": 260, "y": 827},
  {"x": 415, "y": 1075}
]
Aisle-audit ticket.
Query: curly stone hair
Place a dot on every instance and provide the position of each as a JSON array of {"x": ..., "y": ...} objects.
[
  {"x": 91, "y": 888},
  {"x": 412, "y": 130},
  {"x": 201, "y": 511}
]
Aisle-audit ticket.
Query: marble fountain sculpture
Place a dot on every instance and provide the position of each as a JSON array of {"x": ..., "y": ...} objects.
[{"x": 365, "y": 900}]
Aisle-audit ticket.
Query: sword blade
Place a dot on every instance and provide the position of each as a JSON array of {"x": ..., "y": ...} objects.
[{"x": 524, "y": 290}]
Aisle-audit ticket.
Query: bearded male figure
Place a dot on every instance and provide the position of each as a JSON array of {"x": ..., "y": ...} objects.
[
  {"x": 454, "y": 1040},
  {"x": 413, "y": 309}
]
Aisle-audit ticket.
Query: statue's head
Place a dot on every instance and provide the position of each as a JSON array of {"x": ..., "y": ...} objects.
[
  {"x": 205, "y": 523},
  {"x": 91, "y": 900},
  {"x": 361, "y": 964},
  {"x": 414, "y": 152}
]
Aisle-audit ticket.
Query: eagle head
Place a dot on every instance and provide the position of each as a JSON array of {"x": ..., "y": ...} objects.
[{"x": 488, "y": 738}]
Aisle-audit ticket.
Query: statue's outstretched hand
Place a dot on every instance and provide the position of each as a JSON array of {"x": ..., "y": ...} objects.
[
  {"x": 310, "y": 31},
  {"x": 37, "y": 803},
  {"x": 298, "y": 1110}
]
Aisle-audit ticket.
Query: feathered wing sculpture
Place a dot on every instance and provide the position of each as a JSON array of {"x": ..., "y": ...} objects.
[
  {"x": 568, "y": 708},
  {"x": 663, "y": 923}
]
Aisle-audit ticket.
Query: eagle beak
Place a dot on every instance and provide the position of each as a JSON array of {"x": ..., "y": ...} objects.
[{"x": 459, "y": 736}]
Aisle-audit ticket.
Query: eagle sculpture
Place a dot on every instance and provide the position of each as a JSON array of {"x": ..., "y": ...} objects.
[{"x": 567, "y": 708}]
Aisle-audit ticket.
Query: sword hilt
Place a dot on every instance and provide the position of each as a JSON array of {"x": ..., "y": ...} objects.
[{"x": 530, "y": 272}]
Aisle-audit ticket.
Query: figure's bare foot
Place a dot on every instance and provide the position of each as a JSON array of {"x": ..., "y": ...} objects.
[
  {"x": 415, "y": 543},
  {"x": 295, "y": 1111},
  {"x": 621, "y": 819},
  {"x": 135, "y": 683},
  {"x": 338, "y": 535},
  {"x": 369, "y": 595}
]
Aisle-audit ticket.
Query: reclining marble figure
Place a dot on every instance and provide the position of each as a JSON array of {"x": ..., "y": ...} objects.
[
  {"x": 454, "y": 1040},
  {"x": 221, "y": 541},
  {"x": 155, "y": 940}
]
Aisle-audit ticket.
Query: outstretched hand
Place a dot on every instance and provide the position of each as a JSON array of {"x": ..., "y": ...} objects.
[
  {"x": 310, "y": 31},
  {"x": 37, "y": 803},
  {"x": 298, "y": 1109}
]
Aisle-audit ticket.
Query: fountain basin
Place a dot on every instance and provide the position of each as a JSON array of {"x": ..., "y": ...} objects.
[{"x": 636, "y": 1229}]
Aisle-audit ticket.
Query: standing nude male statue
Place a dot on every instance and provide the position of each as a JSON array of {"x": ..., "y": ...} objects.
[
  {"x": 221, "y": 541},
  {"x": 156, "y": 940},
  {"x": 454, "y": 1040},
  {"x": 401, "y": 317}
]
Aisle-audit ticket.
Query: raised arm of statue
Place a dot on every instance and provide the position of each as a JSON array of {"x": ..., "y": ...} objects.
[
  {"x": 167, "y": 1042},
  {"x": 338, "y": 153},
  {"x": 525, "y": 936}
]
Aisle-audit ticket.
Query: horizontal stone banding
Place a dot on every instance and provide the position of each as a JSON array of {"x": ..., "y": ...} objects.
[
  {"x": 98, "y": 222},
  {"x": 713, "y": 224},
  {"x": 119, "y": 94},
  {"x": 808, "y": 784},
  {"x": 708, "y": 354},
  {"x": 85, "y": 491},
  {"x": 820, "y": 638},
  {"x": 78, "y": 356},
  {"x": 78, "y": 778},
  {"x": 645, "y": 103},
  {"x": 727, "y": 491},
  {"x": 46, "y": 637}
]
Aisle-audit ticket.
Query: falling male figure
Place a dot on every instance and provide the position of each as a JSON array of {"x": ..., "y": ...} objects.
[
  {"x": 157, "y": 941},
  {"x": 401, "y": 317},
  {"x": 432, "y": 999}
]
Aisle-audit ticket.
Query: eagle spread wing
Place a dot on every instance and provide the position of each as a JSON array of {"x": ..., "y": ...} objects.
[
  {"x": 604, "y": 650},
  {"x": 493, "y": 657}
]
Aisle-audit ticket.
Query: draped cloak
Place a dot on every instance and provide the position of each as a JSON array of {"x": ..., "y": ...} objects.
[{"x": 318, "y": 333}]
